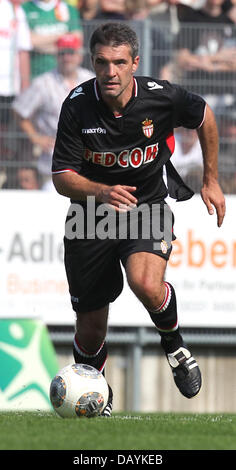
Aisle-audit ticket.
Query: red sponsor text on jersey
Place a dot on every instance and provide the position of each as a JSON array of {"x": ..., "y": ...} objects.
[{"x": 135, "y": 157}]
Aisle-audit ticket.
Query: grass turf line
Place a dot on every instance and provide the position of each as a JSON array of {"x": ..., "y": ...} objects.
[{"x": 139, "y": 431}]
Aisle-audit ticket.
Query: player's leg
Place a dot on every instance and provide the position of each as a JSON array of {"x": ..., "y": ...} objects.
[
  {"x": 145, "y": 274},
  {"x": 95, "y": 279},
  {"x": 90, "y": 338},
  {"x": 90, "y": 344}
]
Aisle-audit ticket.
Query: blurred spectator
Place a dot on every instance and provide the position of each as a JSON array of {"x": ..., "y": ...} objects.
[
  {"x": 228, "y": 181},
  {"x": 88, "y": 9},
  {"x": 188, "y": 154},
  {"x": 206, "y": 57},
  {"x": 25, "y": 177},
  {"x": 158, "y": 32},
  {"x": 38, "y": 107},
  {"x": 227, "y": 129},
  {"x": 229, "y": 8},
  {"x": 227, "y": 149},
  {"x": 74, "y": 3},
  {"x": 136, "y": 9},
  {"x": 187, "y": 158},
  {"x": 22, "y": 175},
  {"x": 212, "y": 11},
  {"x": 48, "y": 20},
  {"x": 15, "y": 45},
  {"x": 28, "y": 178},
  {"x": 164, "y": 17},
  {"x": 111, "y": 10}
]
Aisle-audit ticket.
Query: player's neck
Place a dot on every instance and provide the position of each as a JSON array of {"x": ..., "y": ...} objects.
[{"x": 115, "y": 106}]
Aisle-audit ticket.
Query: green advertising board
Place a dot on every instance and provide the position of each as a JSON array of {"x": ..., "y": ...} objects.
[{"x": 28, "y": 364}]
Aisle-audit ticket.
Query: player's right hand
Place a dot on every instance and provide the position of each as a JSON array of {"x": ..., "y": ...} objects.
[{"x": 119, "y": 197}]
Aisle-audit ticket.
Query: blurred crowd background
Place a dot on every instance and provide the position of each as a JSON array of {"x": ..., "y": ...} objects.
[{"x": 44, "y": 53}]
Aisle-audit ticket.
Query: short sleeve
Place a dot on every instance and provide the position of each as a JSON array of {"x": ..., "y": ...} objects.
[
  {"x": 68, "y": 149},
  {"x": 23, "y": 32},
  {"x": 30, "y": 100},
  {"x": 188, "y": 108}
]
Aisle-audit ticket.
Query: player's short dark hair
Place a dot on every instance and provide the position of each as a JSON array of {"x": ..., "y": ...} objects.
[{"x": 115, "y": 34}]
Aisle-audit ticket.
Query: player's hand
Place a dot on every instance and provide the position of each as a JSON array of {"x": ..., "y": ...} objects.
[
  {"x": 212, "y": 196},
  {"x": 119, "y": 197}
]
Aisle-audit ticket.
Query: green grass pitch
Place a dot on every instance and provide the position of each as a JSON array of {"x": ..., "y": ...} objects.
[{"x": 134, "y": 431}]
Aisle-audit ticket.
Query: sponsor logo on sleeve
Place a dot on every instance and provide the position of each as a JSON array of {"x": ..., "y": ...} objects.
[
  {"x": 78, "y": 91},
  {"x": 154, "y": 86}
]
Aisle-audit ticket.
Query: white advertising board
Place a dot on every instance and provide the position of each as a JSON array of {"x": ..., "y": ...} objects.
[
  {"x": 33, "y": 282},
  {"x": 202, "y": 268},
  {"x": 32, "y": 277}
]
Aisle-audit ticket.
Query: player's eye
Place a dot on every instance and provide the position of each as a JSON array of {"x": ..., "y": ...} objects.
[
  {"x": 100, "y": 61},
  {"x": 120, "y": 62}
]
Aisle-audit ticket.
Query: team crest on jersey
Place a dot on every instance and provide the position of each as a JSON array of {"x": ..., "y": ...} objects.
[
  {"x": 164, "y": 247},
  {"x": 148, "y": 127}
]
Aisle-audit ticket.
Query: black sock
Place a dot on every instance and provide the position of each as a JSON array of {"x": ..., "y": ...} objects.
[
  {"x": 165, "y": 318},
  {"x": 97, "y": 359}
]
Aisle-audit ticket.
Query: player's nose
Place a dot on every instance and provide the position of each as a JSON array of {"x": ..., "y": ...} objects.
[{"x": 110, "y": 71}]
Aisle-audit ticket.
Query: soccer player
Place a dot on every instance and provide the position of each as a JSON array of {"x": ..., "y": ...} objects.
[{"x": 115, "y": 135}]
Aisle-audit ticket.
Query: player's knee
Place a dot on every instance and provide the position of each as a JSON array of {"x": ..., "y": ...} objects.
[{"x": 149, "y": 290}]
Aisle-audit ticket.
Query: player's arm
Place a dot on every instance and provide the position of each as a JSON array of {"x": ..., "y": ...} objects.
[
  {"x": 77, "y": 187},
  {"x": 68, "y": 163},
  {"x": 192, "y": 112},
  {"x": 211, "y": 192}
]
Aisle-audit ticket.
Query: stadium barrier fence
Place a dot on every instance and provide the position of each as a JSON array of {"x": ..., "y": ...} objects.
[{"x": 163, "y": 54}]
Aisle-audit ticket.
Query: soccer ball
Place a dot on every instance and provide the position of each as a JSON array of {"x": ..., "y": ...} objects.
[{"x": 79, "y": 390}]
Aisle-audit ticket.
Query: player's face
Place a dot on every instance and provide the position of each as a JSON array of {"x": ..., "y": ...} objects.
[{"x": 114, "y": 68}]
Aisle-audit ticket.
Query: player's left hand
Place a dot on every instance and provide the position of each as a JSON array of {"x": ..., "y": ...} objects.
[{"x": 212, "y": 195}]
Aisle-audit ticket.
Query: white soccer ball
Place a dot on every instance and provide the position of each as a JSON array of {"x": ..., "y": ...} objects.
[{"x": 79, "y": 390}]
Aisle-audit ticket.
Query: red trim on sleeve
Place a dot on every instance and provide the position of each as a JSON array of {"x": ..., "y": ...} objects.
[
  {"x": 170, "y": 141},
  {"x": 64, "y": 171}
]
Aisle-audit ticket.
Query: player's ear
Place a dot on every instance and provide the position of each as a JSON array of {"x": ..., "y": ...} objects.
[{"x": 135, "y": 64}]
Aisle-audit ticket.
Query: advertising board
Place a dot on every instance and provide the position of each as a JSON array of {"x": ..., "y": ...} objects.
[{"x": 32, "y": 276}]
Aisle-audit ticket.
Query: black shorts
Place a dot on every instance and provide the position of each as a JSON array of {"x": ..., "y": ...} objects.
[{"x": 93, "y": 266}]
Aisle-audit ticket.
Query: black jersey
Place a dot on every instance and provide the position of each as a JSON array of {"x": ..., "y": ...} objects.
[{"x": 129, "y": 149}]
